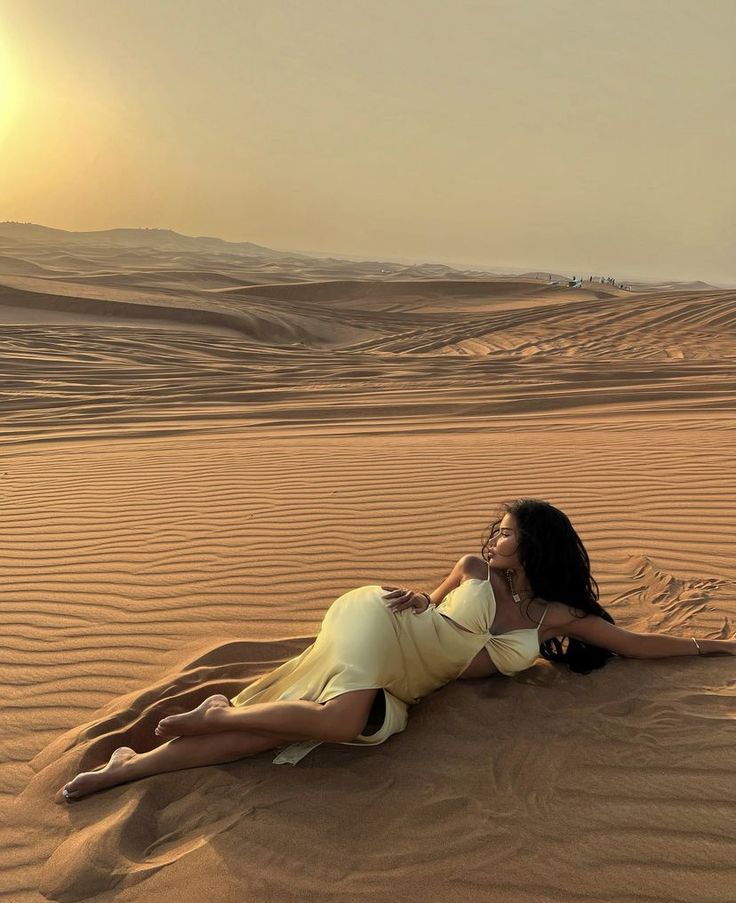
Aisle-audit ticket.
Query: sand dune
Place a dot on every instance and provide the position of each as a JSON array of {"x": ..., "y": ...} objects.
[{"x": 196, "y": 464}]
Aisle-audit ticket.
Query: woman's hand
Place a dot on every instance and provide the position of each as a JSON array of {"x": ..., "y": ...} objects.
[{"x": 400, "y": 599}]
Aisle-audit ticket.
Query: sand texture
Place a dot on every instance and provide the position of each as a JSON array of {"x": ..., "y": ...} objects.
[{"x": 200, "y": 453}]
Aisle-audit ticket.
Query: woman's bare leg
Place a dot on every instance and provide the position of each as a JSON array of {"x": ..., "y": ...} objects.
[
  {"x": 227, "y": 734},
  {"x": 185, "y": 752},
  {"x": 340, "y": 719}
]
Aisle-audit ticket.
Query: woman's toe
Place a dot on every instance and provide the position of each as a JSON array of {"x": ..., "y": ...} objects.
[{"x": 164, "y": 727}]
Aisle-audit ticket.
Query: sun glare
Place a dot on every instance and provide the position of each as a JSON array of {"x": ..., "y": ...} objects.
[{"x": 9, "y": 93}]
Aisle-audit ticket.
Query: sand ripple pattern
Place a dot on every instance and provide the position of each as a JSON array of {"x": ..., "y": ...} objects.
[
  {"x": 197, "y": 463},
  {"x": 116, "y": 562},
  {"x": 546, "y": 365}
]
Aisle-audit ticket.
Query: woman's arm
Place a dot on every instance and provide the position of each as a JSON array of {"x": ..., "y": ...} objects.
[
  {"x": 598, "y": 632},
  {"x": 451, "y": 581},
  {"x": 399, "y": 599}
]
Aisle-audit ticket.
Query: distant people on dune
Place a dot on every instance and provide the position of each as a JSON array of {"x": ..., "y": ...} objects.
[
  {"x": 577, "y": 282},
  {"x": 610, "y": 280}
]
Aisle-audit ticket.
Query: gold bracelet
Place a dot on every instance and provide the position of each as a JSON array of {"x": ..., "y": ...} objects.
[{"x": 696, "y": 645}]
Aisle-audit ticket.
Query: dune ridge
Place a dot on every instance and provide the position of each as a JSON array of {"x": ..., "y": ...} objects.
[
  {"x": 191, "y": 475},
  {"x": 140, "y": 366}
]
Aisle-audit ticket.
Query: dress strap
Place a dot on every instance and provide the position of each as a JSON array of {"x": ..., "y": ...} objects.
[
  {"x": 489, "y": 570},
  {"x": 546, "y": 609}
]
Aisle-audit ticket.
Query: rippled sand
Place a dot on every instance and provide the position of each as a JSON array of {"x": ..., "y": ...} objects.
[{"x": 198, "y": 458}]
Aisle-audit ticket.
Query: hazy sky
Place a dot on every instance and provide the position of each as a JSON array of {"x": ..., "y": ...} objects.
[{"x": 574, "y": 135}]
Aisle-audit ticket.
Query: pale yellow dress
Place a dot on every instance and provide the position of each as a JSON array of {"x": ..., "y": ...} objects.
[{"x": 363, "y": 645}]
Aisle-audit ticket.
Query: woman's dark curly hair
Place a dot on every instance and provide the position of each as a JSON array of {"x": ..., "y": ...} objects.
[{"x": 558, "y": 568}]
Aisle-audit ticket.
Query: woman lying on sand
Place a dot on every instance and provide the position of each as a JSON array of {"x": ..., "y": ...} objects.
[{"x": 531, "y": 592}]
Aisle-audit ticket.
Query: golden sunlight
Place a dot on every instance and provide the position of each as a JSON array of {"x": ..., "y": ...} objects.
[{"x": 9, "y": 88}]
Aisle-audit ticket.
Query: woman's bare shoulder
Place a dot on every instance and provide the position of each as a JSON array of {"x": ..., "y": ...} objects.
[{"x": 473, "y": 566}]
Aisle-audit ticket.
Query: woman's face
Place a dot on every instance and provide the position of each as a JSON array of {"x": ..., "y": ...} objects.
[{"x": 503, "y": 547}]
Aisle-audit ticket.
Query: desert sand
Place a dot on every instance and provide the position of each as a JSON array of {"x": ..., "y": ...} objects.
[{"x": 202, "y": 450}]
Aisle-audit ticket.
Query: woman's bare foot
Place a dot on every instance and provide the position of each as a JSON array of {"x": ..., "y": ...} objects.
[
  {"x": 198, "y": 721},
  {"x": 108, "y": 776}
]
